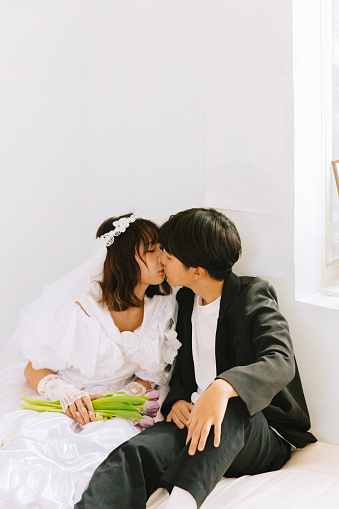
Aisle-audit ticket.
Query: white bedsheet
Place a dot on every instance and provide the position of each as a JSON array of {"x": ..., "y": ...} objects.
[
  {"x": 310, "y": 480},
  {"x": 46, "y": 459}
]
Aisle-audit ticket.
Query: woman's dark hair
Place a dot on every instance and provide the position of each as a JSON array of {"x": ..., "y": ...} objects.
[
  {"x": 121, "y": 271},
  {"x": 202, "y": 238}
]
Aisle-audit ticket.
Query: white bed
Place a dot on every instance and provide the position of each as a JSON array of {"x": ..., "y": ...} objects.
[{"x": 309, "y": 480}]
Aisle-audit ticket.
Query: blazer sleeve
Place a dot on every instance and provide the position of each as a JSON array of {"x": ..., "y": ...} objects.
[
  {"x": 264, "y": 336},
  {"x": 177, "y": 392}
]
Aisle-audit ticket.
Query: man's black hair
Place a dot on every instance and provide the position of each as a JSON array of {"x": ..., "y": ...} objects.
[{"x": 202, "y": 237}]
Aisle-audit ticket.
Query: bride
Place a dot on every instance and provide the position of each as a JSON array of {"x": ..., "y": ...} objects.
[{"x": 109, "y": 324}]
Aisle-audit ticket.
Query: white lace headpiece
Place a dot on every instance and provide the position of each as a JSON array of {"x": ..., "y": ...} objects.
[{"x": 120, "y": 227}]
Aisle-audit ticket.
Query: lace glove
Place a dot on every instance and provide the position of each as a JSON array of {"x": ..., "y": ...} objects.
[
  {"x": 151, "y": 406},
  {"x": 55, "y": 388},
  {"x": 137, "y": 389},
  {"x": 134, "y": 389}
]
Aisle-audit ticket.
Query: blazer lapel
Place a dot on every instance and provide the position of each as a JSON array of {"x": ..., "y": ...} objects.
[
  {"x": 184, "y": 329},
  {"x": 223, "y": 353}
]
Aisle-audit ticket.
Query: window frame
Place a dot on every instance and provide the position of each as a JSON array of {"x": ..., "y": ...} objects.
[
  {"x": 330, "y": 267},
  {"x": 316, "y": 282}
]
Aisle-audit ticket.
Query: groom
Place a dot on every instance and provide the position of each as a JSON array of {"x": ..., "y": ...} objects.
[{"x": 235, "y": 405}]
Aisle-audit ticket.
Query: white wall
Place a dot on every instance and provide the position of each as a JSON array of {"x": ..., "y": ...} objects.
[{"x": 103, "y": 110}]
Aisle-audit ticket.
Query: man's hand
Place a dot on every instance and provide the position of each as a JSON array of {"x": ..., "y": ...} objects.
[
  {"x": 180, "y": 413},
  {"x": 208, "y": 411}
]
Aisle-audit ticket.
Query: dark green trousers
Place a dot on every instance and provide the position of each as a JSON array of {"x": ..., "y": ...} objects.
[{"x": 158, "y": 457}]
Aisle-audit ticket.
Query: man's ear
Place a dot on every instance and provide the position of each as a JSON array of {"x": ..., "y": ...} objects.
[{"x": 199, "y": 273}]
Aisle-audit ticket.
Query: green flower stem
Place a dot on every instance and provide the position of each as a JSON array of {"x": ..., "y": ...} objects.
[
  {"x": 112, "y": 405},
  {"x": 37, "y": 408}
]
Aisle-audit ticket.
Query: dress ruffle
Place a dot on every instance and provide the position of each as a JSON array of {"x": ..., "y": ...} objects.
[
  {"x": 64, "y": 337},
  {"x": 154, "y": 345},
  {"x": 69, "y": 338}
]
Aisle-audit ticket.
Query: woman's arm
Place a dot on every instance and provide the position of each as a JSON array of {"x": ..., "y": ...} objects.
[
  {"x": 76, "y": 410},
  {"x": 33, "y": 376}
]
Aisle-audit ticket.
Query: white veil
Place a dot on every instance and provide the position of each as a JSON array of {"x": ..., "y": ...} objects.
[{"x": 69, "y": 288}]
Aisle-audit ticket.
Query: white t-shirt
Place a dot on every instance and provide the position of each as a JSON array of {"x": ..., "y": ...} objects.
[{"x": 204, "y": 326}]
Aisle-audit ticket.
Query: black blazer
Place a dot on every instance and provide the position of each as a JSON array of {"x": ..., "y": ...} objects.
[{"x": 254, "y": 354}]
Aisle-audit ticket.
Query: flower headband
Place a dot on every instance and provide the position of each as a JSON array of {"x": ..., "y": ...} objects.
[{"x": 120, "y": 227}]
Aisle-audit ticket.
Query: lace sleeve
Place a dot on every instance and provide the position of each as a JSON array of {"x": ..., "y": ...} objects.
[{"x": 54, "y": 388}]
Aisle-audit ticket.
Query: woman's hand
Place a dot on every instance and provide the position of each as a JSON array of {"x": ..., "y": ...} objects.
[
  {"x": 79, "y": 413},
  {"x": 180, "y": 413}
]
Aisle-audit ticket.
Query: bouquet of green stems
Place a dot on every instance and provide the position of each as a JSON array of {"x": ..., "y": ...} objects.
[{"x": 118, "y": 404}]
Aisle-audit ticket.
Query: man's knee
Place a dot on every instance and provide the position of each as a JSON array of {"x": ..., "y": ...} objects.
[
  {"x": 162, "y": 434},
  {"x": 152, "y": 449}
]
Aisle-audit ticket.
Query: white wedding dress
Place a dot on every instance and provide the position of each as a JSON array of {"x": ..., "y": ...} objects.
[{"x": 47, "y": 459}]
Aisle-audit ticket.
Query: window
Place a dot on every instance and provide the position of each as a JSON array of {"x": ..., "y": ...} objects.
[
  {"x": 316, "y": 145},
  {"x": 333, "y": 192}
]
